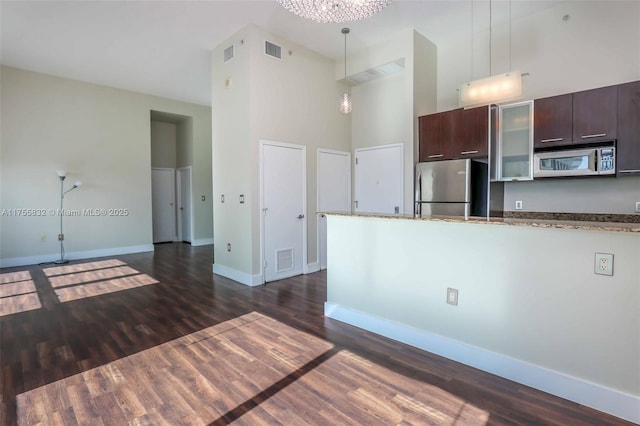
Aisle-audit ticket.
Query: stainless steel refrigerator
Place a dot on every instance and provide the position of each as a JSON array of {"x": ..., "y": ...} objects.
[{"x": 451, "y": 188}]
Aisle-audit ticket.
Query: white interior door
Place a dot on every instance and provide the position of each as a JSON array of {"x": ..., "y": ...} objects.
[
  {"x": 379, "y": 177},
  {"x": 184, "y": 204},
  {"x": 334, "y": 192},
  {"x": 163, "y": 205},
  {"x": 284, "y": 208}
]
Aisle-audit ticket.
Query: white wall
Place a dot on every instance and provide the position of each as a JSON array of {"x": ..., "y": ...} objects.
[
  {"x": 233, "y": 158},
  {"x": 398, "y": 102},
  {"x": 101, "y": 136},
  {"x": 530, "y": 306},
  {"x": 294, "y": 101},
  {"x": 184, "y": 144},
  {"x": 599, "y": 45},
  {"x": 163, "y": 144},
  {"x": 378, "y": 112}
]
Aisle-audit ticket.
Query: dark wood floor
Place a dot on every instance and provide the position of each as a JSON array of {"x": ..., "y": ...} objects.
[{"x": 158, "y": 339}]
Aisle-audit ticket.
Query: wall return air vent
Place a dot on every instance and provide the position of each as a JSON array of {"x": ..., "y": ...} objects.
[
  {"x": 228, "y": 54},
  {"x": 273, "y": 50}
]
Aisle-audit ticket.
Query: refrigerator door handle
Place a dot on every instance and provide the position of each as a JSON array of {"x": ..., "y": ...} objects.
[{"x": 418, "y": 191}]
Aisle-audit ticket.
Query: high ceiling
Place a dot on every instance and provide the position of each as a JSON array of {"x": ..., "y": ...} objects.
[{"x": 163, "y": 47}]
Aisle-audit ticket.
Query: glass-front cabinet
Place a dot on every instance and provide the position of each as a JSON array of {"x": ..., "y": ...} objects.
[{"x": 515, "y": 142}]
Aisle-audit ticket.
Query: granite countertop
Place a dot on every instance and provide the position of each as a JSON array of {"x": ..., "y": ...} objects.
[{"x": 580, "y": 221}]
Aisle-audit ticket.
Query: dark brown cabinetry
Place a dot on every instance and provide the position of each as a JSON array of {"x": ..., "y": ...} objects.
[
  {"x": 595, "y": 115},
  {"x": 470, "y": 133},
  {"x": 461, "y": 133},
  {"x": 553, "y": 123},
  {"x": 434, "y": 133},
  {"x": 628, "y": 146}
]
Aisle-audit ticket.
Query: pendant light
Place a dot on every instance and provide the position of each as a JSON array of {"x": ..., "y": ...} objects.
[
  {"x": 493, "y": 89},
  {"x": 345, "y": 99}
]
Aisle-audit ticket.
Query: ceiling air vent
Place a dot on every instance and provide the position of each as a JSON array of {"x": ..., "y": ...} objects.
[
  {"x": 228, "y": 53},
  {"x": 273, "y": 50}
]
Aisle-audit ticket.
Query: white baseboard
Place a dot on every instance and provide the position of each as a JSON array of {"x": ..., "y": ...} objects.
[
  {"x": 239, "y": 276},
  {"x": 596, "y": 396},
  {"x": 201, "y": 242},
  {"x": 76, "y": 255},
  {"x": 310, "y": 268}
]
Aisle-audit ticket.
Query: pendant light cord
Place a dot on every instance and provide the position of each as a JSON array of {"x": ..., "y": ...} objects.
[
  {"x": 345, "y": 31},
  {"x": 471, "y": 77},
  {"x": 509, "y": 70},
  {"x": 490, "y": 38},
  {"x": 345, "y": 58}
]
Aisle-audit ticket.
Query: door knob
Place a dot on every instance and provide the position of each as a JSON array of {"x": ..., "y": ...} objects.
[{"x": 300, "y": 216}]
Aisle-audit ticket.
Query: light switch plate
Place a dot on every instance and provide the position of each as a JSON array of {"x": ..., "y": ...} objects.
[
  {"x": 452, "y": 296},
  {"x": 603, "y": 264},
  {"x": 637, "y": 206}
]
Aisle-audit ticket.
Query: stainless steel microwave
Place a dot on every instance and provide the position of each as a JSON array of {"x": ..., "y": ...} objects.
[{"x": 575, "y": 162}]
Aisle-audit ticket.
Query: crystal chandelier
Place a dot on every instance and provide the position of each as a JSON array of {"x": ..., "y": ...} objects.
[
  {"x": 325, "y": 11},
  {"x": 345, "y": 98}
]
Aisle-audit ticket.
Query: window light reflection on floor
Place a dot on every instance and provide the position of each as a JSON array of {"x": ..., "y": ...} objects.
[
  {"x": 78, "y": 281},
  {"x": 17, "y": 293},
  {"x": 251, "y": 368}
]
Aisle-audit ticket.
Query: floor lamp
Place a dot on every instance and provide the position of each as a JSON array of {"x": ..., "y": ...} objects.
[{"x": 62, "y": 175}]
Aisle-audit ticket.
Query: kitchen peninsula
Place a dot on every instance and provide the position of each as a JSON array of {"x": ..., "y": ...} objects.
[{"x": 530, "y": 307}]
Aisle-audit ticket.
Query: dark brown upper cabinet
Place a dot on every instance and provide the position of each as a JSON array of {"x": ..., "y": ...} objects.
[
  {"x": 595, "y": 114},
  {"x": 434, "y": 135},
  {"x": 628, "y": 146},
  {"x": 461, "y": 133},
  {"x": 470, "y": 133},
  {"x": 553, "y": 122}
]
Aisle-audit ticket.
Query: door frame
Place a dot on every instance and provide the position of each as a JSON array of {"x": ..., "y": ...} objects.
[
  {"x": 303, "y": 148},
  {"x": 173, "y": 190},
  {"x": 371, "y": 148},
  {"x": 179, "y": 199},
  {"x": 350, "y": 202}
]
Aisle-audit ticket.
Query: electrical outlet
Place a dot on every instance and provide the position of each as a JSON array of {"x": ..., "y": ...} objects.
[
  {"x": 229, "y": 247},
  {"x": 452, "y": 296},
  {"x": 60, "y": 237},
  {"x": 637, "y": 206},
  {"x": 519, "y": 205},
  {"x": 603, "y": 264}
]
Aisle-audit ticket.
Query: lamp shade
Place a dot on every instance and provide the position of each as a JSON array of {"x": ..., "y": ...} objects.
[
  {"x": 61, "y": 173},
  {"x": 78, "y": 183},
  {"x": 345, "y": 103},
  {"x": 494, "y": 89}
]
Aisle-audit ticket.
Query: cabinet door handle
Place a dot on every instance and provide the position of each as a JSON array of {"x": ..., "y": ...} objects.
[
  {"x": 629, "y": 171},
  {"x": 551, "y": 140},
  {"x": 599, "y": 135},
  {"x": 436, "y": 156},
  {"x": 469, "y": 152}
]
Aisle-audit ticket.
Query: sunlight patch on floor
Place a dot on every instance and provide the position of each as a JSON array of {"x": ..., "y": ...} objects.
[
  {"x": 17, "y": 293},
  {"x": 78, "y": 281},
  {"x": 251, "y": 369}
]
